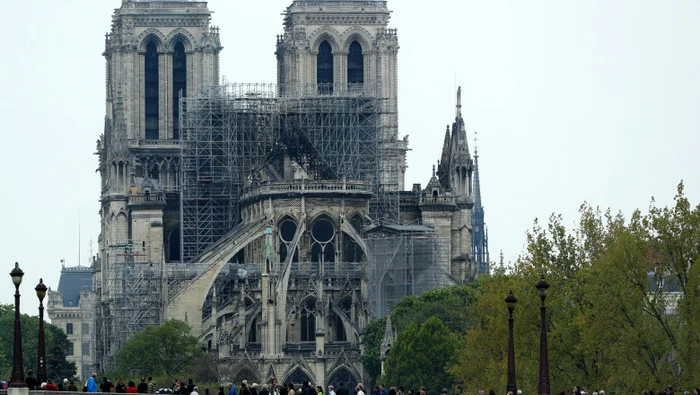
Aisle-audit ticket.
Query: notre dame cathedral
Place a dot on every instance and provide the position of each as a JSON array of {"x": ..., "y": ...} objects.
[{"x": 272, "y": 218}]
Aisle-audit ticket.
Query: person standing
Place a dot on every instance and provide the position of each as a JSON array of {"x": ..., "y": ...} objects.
[
  {"x": 231, "y": 389},
  {"x": 92, "y": 383},
  {"x": 30, "y": 381},
  {"x": 121, "y": 387},
  {"x": 142, "y": 387},
  {"x": 273, "y": 387},
  {"x": 342, "y": 389},
  {"x": 151, "y": 386},
  {"x": 106, "y": 385}
]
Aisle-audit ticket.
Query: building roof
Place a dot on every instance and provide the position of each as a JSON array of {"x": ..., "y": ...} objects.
[{"x": 73, "y": 280}]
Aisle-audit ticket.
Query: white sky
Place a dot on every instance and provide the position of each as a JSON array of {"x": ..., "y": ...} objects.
[{"x": 573, "y": 100}]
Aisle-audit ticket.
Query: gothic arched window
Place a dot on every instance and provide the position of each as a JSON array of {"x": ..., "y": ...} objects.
[
  {"x": 324, "y": 68},
  {"x": 356, "y": 65},
  {"x": 308, "y": 321},
  {"x": 179, "y": 85},
  {"x": 151, "y": 92}
]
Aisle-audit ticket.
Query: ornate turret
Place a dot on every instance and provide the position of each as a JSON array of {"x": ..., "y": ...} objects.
[
  {"x": 387, "y": 341},
  {"x": 456, "y": 166}
]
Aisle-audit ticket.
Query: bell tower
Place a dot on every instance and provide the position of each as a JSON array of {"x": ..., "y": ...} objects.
[
  {"x": 156, "y": 52},
  {"x": 346, "y": 47}
]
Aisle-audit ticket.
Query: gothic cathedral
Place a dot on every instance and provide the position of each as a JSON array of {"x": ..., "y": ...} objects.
[{"x": 273, "y": 219}]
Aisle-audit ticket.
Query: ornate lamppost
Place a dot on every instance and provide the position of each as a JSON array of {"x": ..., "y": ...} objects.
[
  {"x": 510, "y": 385},
  {"x": 543, "y": 387},
  {"x": 41, "y": 293},
  {"x": 17, "y": 380}
]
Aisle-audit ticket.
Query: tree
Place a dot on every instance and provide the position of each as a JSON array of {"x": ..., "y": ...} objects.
[
  {"x": 622, "y": 306},
  {"x": 451, "y": 305},
  {"x": 167, "y": 349},
  {"x": 55, "y": 340},
  {"x": 420, "y": 357},
  {"x": 57, "y": 367},
  {"x": 372, "y": 336}
]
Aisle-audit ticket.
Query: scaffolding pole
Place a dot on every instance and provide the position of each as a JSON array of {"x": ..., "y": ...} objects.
[
  {"x": 234, "y": 133},
  {"x": 131, "y": 298},
  {"x": 408, "y": 263}
]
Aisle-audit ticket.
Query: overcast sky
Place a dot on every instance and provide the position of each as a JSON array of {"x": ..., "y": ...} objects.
[{"x": 574, "y": 101}]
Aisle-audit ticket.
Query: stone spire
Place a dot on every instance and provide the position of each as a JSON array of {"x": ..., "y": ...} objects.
[
  {"x": 388, "y": 340},
  {"x": 480, "y": 243}
]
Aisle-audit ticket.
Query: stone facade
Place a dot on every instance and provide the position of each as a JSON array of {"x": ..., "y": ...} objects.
[
  {"x": 287, "y": 292},
  {"x": 72, "y": 308}
]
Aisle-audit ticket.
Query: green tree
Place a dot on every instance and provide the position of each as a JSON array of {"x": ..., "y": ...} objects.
[
  {"x": 167, "y": 349},
  {"x": 372, "y": 336},
  {"x": 610, "y": 324},
  {"x": 55, "y": 341},
  {"x": 57, "y": 367},
  {"x": 451, "y": 305},
  {"x": 420, "y": 357}
]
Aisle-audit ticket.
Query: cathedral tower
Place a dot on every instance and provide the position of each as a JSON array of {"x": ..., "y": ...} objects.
[
  {"x": 156, "y": 52},
  {"x": 345, "y": 47}
]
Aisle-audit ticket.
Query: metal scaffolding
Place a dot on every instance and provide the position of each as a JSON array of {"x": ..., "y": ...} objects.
[
  {"x": 409, "y": 262},
  {"x": 131, "y": 297},
  {"x": 236, "y": 135}
]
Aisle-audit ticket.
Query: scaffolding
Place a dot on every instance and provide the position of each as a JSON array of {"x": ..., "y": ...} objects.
[
  {"x": 237, "y": 134},
  {"x": 131, "y": 297},
  {"x": 408, "y": 262}
]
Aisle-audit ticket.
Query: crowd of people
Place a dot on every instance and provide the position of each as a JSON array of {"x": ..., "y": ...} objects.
[{"x": 148, "y": 386}]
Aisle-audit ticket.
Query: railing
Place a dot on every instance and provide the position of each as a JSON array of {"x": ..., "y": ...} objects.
[
  {"x": 153, "y": 199},
  {"x": 437, "y": 200},
  {"x": 154, "y": 143},
  {"x": 271, "y": 188}
]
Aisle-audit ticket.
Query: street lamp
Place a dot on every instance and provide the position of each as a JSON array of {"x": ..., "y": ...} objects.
[
  {"x": 17, "y": 380},
  {"x": 543, "y": 387},
  {"x": 510, "y": 385},
  {"x": 41, "y": 293}
]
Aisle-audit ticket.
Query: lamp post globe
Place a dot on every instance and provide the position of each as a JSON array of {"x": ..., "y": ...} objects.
[
  {"x": 543, "y": 387},
  {"x": 511, "y": 300},
  {"x": 41, "y": 293},
  {"x": 17, "y": 379}
]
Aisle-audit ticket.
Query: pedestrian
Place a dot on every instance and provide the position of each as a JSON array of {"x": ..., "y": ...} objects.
[
  {"x": 290, "y": 389},
  {"x": 72, "y": 387},
  {"x": 92, "y": 383},
  {"x": 331, "y": 390},
  {"x": 231, "y": 388},
  {"x": 106, "y": 385},
  {"x": 360, "y": 389},
  {"x": 254, "y": 389},
  {"x": 264, "y": 390},
  {"x": 63, "y": 385},
  {"x": 195, "y": 389},
  {"x": 121, "y": 387},
  {"x": 342, "y": 389},
  {"x": 142, "y": 388},
  {"x": 151, "y": 387},
  {"x": 50, "y": 386},
  {"x": 30, "y": 381},
  {"x": 131, "y": 388}
]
